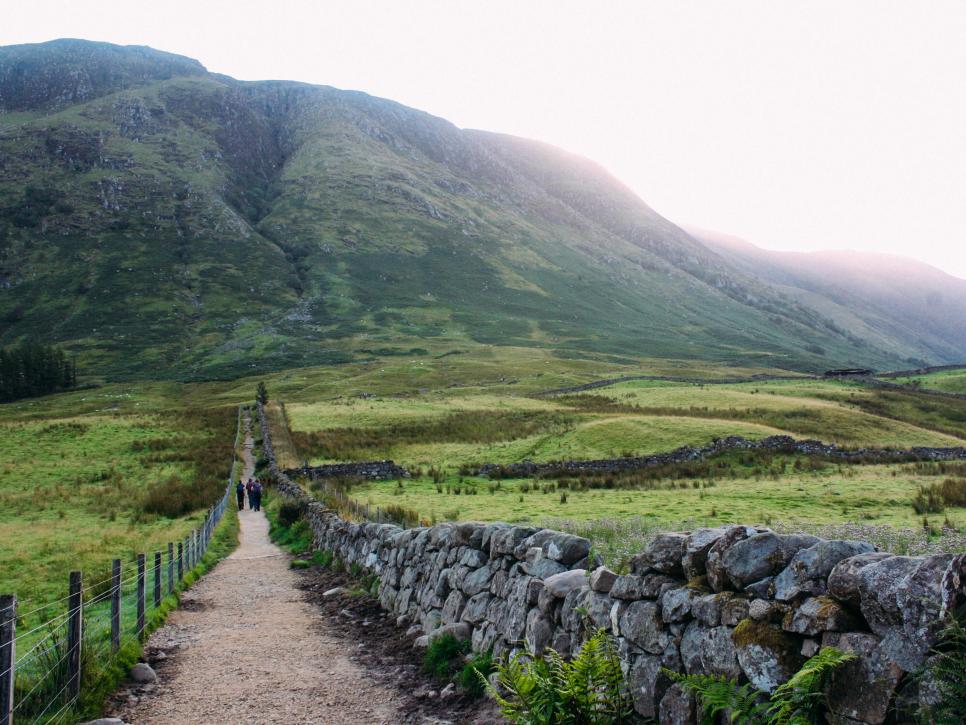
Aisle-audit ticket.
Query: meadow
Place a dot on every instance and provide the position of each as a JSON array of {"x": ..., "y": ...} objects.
[
  {"x": 948, "y": 381},
  {"x": 115, "y": 469},
  {"x": 104, "y": 473}
]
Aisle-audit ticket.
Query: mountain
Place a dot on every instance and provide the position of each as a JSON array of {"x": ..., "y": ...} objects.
[
  {"x": 898, "y": 304},
  {"x": 158, "y": 220}
]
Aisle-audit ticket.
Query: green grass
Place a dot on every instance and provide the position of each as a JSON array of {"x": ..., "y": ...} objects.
[{"x": 949, "y": 381}]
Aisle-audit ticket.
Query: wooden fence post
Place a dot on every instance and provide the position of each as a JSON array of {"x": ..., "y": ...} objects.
[
  {"x": 157, "y": 579},
  {"x": 115, "y": 605},
  {"x": 75, "y": 634},
  {"x": 170, "y": 567},
  {"x": 140, "y": 594},
  {"x": 8, "y": 655},
  {"x": 180, "y": 562}
]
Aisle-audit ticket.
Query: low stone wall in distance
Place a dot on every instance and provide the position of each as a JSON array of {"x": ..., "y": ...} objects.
[{"x": 739, "y": 601}]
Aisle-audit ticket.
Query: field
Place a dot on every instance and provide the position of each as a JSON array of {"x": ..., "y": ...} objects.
[
  {"x": 92, "y": 475},
  {"x": 442, "y": 436},
  {"x": 949, "y": 381},
  {"x": 121, "y": 468}
]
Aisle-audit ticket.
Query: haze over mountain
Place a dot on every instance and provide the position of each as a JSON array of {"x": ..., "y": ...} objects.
[{"x": 159, "y": 220}]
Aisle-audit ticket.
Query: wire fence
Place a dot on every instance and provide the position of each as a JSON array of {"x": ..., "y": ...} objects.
[{"x": 46, "y": 667}]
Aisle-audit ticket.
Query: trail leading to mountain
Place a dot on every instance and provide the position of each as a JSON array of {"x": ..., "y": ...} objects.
[{"x": 245, "y": 647}]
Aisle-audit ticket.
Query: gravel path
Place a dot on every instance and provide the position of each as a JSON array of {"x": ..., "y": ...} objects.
[{"x": 245, "y": 647}]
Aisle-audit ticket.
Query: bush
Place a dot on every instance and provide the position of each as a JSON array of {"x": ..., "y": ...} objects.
[
  {"x": 928, "y": 500},
  {"x": 289, "y": 512},
  {"x": 548, "y": 690},
  {"x": 475, "y": 672},
  {"x": 444, "y": 656}
]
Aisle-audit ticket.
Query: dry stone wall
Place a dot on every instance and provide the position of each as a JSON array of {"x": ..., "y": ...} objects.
[{"x": 739, "y": 601}]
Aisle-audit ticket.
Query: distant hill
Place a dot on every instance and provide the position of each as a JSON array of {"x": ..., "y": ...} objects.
[
  {"x": 895, "y": 302},
  {"x": 158, "y": 220}
]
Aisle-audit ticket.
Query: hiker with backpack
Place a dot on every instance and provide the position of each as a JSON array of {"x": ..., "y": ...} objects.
[
  {"x": 255, "y": 497},
  {"x": 240, "y": 494}
]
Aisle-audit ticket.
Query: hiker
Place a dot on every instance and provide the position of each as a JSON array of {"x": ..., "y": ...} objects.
[
  {"x": 251, "y": 499},
  {"x": 257, "y": 493},
  {"x": 240, "y": 494}
]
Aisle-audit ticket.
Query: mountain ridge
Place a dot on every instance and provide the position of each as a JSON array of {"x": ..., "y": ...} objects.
[{"x": 371, "y": 226}]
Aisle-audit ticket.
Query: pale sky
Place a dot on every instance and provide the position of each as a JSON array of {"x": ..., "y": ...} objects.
[{"x": 796, "y": 125}]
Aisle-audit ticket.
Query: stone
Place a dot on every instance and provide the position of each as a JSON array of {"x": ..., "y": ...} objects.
[
  {"x": 762, "y": 555},
  {"x": 654, "y": 585},
  {"x": 566, "y": 548},
  {"x": 460, "y": 630},
  {"x": 538, "y": 632},
  {"x": 810, "y": 568},
  {"x": 733, "y": 610},
  {"x": 143, "y": 673},
  {"x": 763, "y": 588},
  {"x": 953, "y": 585},
  {"x": 709, "y": 651},
  {"x": 474, "y": 558},
  {"x": 559, "y": 585},
  {"x": 810, "y": 647},
  {"x": 505, "y": 540},
  {"x": 663, "y": 554},
  {"x": 332, "y": 592},
  {"x": 696, "y": 548},
  {"x": 534, "y": 541},
  {"x": 862, "y": 689},
  {"x": 597, "y": 607},
  {"x": 707, "y": 609},
  {"x": 713, "y": 565},
  {"x": 477, "y": 581},
  {"x": 415, "y": 631},
  {"x": 539, "y": 565},
  {"x": 453, "y": 607},
  {"x": 767, "y": 655},
  {"x": 641, "y": 624},
  {"x": 535, "y": 588},
  {"x": 626, "y": 586},
  {"x": 448, "y": 692},
  {"x": 677, "y": 707},
  {"x": 818, "y": 614},
  {"x": 602, "y": 579},
  {"x": 105, "y": 721},
  {"x": 676, "y": 604},
  {"x": 647, "y": 684}
]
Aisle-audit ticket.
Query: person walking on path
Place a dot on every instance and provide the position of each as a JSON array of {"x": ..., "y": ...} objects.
[
  {"x": 240, "y": 494},
  {"x": 257, "y": 494},
  {"x": 248, "y": 487}
]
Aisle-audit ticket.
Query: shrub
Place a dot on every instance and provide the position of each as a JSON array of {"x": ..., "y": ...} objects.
[
  {"x": 289, "y": 512},
  {"x": 475, "y": 672},
  {"x": 444, "y": 656},
  {"x": 547, "y": 690},
  {"x": 928, "y": 500}
]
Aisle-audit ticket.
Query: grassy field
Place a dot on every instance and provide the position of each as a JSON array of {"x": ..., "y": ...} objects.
[
  {"x": 949, "y": 381},
  {"x": 92, "y": 475},
  {"x": 441, "y": 434},
  {"x": 83, "y": 472}
]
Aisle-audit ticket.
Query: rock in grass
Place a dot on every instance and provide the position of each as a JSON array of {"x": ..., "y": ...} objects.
[{"x": 143, "y": 673}]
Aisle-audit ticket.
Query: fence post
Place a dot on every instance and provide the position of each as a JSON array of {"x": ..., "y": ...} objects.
[
  {"x": 180, "y": 562},
  {"x": 8, "y": 655},
  {"x": 157, "y": 579},
  {"x": 140, "y": 594},
  {"x": 170, "y": 567},
  {"x": 115, "y": 605},
  {"x": 75, "y": 634}
]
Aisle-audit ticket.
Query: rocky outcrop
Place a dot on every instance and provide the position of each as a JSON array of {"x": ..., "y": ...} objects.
[
  {"x": 372, "y": 470},
  {"x": 742, "y": 602}
]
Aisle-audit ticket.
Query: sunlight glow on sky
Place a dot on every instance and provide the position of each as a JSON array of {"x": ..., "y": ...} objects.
[{"x": 793, "y": 125}]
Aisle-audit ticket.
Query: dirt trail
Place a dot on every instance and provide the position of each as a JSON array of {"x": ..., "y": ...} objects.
[{"x": 246, "y": 647}]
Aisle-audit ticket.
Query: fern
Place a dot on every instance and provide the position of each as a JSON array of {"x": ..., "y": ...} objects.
[
  {"x": 946, "y": 672},
  {"x": 548, "y": 690},
  {"x": 799, "y": 701},
  {"x": 717, "y": 695}
]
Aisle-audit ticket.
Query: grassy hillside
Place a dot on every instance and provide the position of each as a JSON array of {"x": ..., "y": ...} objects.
[{"x": 160, "y": 221}]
